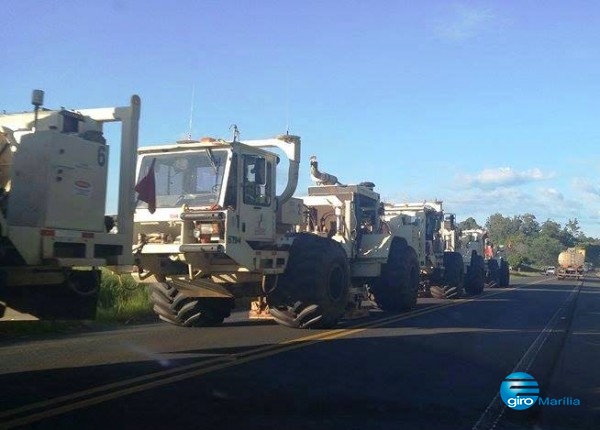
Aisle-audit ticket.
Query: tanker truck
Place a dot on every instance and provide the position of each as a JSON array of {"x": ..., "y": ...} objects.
[{"x": 570, "y": 263}]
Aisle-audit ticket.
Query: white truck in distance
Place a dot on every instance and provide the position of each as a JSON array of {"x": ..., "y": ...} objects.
[{"x": 447, "y": 268}]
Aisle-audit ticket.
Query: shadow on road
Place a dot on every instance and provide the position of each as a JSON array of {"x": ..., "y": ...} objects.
[{"x": 435, "y": 371}]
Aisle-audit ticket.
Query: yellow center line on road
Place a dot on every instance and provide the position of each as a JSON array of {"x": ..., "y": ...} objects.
[
  {"x": 334, "y": 334},
  {"x": 180, "y": 369},
  {"x": 196, "y": 369}
]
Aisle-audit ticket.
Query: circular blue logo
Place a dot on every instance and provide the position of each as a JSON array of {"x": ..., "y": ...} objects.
[{"x": 519, "y": 391}]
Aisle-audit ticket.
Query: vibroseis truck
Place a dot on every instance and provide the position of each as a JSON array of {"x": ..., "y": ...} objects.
[
  {"x": 54, "y": 234},
  {"x": 210, "y": 228},
  {"x": 446, "y": 268}
]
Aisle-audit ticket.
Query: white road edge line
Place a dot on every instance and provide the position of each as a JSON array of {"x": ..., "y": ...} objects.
[{"x": 496, "y": 408}]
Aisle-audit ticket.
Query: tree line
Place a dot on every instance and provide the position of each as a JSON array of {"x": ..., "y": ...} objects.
[{"x": 530, "y": 243}]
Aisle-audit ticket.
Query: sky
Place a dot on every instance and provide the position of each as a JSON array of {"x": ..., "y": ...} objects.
[{"x": 490, "y": 106}]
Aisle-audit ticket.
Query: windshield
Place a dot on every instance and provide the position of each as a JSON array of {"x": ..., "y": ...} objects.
[{"x": 192, "y": 178}]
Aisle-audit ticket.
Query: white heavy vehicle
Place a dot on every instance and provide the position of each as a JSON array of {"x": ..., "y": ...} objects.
[
  {"x": 495, "y": 262},
  {"x": 54, "y": 233},
  {"x": 210, "y": 228},
  {"x": 447, "y": 269}
]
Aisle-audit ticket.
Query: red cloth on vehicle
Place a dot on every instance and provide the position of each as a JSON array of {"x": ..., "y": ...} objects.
[{"x": 146, "y": 188}]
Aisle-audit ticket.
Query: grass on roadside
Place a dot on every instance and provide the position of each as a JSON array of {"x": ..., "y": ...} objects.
[{"x": 122, "y": 299}]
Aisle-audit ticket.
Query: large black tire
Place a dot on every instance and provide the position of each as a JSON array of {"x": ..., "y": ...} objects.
[
  {"x": 175, "y": 307},
  {"x": 504, "y": 274},
  {"x": 313, "y": 291},
  {"x": 475, "y": 278},
  {"x": 454, "y": 276},
  {"x": 397, "y": 288},
  {"x": 493, "y": 273}
]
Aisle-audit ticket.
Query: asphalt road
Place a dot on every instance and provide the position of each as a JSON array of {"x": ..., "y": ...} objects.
[{"x": 437, "y": 367}]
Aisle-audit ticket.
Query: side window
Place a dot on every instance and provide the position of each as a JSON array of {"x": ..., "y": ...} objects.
[{"x": 257, "y": 181}]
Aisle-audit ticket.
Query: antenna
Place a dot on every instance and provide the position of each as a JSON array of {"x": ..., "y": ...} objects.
[
  {"x": 191, "y": 112},
  {"x": 287, "y": 103}
]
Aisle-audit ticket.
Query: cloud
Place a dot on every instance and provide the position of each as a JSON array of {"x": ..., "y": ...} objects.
[
  {"x": 551, "y": 200},
  {"x": 487, "y": 198},
  {"x": 503, "y": 177},
  {"x": 463, "y": 22},
  {"x": 552, "y": 194},
  {"x": 586, "y": 187},
  {"x": 545, "y": 203}
]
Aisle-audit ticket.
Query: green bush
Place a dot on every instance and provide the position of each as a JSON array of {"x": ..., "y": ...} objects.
[{"x": 122, "y": 299}]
